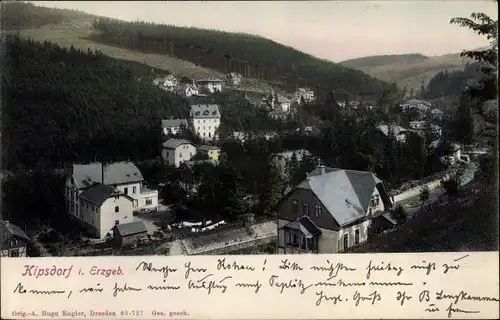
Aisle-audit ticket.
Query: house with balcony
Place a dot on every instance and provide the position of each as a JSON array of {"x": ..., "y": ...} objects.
[
  {"x": 173, "y": 126},
  {"x": 92, "y": 189},
  {"x": 176, "y": 151},
  {"x": 13, "y": 241},
  {"x": 205, "y": 120},
  {"x": 330, "y": 211},
  {"x": 210, "y": 85}
]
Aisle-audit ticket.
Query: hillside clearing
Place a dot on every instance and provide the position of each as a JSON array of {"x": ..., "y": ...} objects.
[{"x": 78, "y": 37}]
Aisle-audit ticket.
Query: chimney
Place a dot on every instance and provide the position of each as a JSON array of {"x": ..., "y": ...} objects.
[{"x": 322, "y": 169}]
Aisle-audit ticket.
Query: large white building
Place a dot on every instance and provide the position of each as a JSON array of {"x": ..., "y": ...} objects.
[
  {"x": 205, "y": 120},
  {"x": 176, "y": 151},
  {"x": 103, "y": 195},
  {"x": 210, "y": 85}
]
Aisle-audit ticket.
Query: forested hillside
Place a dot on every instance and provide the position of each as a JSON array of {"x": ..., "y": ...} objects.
[
  {"x": 252, "y": 56},
  {"x": 65, "y": 105},
  {"x": 21, "y": 15},
  {"x": 373, "y": 61}
]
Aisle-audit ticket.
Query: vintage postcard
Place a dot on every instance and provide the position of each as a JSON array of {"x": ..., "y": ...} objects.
[{"x": 288, "y": 159}]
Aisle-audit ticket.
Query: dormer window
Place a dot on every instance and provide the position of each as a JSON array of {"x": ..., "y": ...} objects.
[{"x": 205, "y": 113}]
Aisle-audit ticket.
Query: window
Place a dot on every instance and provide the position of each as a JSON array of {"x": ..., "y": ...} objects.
[
  {"x": 356, "y": 236},
  {"x": 13, "y": 243},
  {"x": 317, "y": 210},
  {"x": 345, "y": 238},
  {"x": 87, "y": 205},
  {"x": 97, "y": 210},
  {"x": 125, "y": 190},
  {"x": 305, "y": 209},
  {"x": 14, "y": 253},
  {"x": 295, "y": 206},
  {"x": 134, "y": 190},
  {"x": 117, "y": 209},
  {"x": 149, "y": 201},
  {"x": 117, "y": 222},
  {"x": 180, "y": 155},
  {"x": 166, "y": 153},
  {"x": 209, "y": 134}
]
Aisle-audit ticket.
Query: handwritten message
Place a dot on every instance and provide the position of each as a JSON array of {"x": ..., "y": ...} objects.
[{"x": 363, "y": 286}]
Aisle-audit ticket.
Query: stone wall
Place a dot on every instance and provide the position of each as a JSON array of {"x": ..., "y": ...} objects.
[{"x": 236, "y": 246}]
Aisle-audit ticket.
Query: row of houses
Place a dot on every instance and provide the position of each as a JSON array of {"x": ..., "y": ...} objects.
[
  {"x": 204, "y": 121},
  {"x": 177, "y": 151},
  {"x": 196, "y": 87}
]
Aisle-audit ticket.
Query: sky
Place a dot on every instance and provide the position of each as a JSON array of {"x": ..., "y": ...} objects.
[{"x": 333, "y": 30}]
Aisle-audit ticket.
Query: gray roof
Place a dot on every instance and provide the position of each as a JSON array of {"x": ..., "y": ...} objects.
[
  {"x": 384, "y": 128},
  {"x": 99, "y": 193},
  {"x": 173, "y": 123},
  {"x": 208, "y": 148},
  {"x": 85, "y": 175},
  {"x": 287, "y": 155},
  {"x": 131, "y": 228},
  {"x": 210, "y": 79},
  {"x": 9, "y": 230},
  {"x": 205, "y": 111},
  {"x": 174, "y": 143},
  {"x": 346, "y": 194},
  {"x": 305, "y": 226}
]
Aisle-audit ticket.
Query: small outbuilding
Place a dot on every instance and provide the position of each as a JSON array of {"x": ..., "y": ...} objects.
[{"x": 129, "y": 233}]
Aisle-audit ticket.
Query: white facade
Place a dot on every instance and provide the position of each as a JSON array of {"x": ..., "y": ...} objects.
[
  {"x": 306, "y": 94},
  {"x": 167, "y": 83},
  {"x": 205, "y": 120},
  {"x": 115, "y": 210},
  {"x": 173, "y": 126},
  {"x": 211, "y": 84},
  {"x": 176, "y": 152}
]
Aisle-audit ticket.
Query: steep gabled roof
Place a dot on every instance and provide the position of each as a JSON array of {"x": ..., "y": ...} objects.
[
  {"x": 85, "y": 175},
  {"x": 99, "y": 193},
  {"x": 174, "y": 143},
  {"x": 128, "y": 229},
  {"x": 346, "y": 194},
  {"x": 9, "y": 230}
]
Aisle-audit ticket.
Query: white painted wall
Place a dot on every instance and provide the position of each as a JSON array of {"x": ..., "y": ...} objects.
[
  {"x": 206, "y": 128},
  {"x": 173, "y": 130},
  {"x": 107, "y": 217},
  {"x": 143, "y": 199},
  {"x": 350, "y": 232},
  {"x": 177, "y": 156}
]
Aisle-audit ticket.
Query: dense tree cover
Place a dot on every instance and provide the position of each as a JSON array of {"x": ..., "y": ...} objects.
[
  {"x": 260, "y": 55},
  {"x": 373, "y": 61},
  {"x": 20, "y": 15},
  {"x": 63, "y": 105},
  {"x": 453, "y": 83}
]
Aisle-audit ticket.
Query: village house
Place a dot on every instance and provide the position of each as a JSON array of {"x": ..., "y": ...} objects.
[
  {"x": 305, "y": 94},
  {"x": 129, "y": 233},
  {"x": 211, "y": 152},
  {"x": 205, "y": 120},
  {"x": 416, "y": 105},
  {"x": 455, "y": 150},
  {"x": 330, "y": 211},
  {"x": 187, "y": 90},
  {"x": 281, "y": 160},
  {"x": 176, "y": 151},
  {"x": 173, "y": 126},
  {"x": 98, "y": 195},
  {"x": 399, "y": 132},
  {"x": 210, "y": 85},
  {"x": 13, "y": 240},
  {"x": 167, "y": 83},
  {"x": 421, "y": 126},
  {"x": 234, "y": 78}
]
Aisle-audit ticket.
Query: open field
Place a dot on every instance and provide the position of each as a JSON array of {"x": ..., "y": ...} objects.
[{"x": 78, "y": 37}]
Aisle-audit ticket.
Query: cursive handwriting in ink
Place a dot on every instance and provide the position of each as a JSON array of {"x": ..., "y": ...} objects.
[
  {"x": 190, "y": 269},
  {"x": 432, "y": 308},
  {"x": 340, "y": 283},
  {"x": 125, "y": 288},
  {"x": 162, "y": 287},
  {"x": 20, "y": 289},
  {"x": 90, "y": 289},
  {"x": 208, "y": 285},
  {"x": 295, "y": 283},
  {"x": 221, "y": 264},
  {"x": 452, "y": 310},
  {"x": 257, "y": 285},
  {"x": 403, "y": 297},
  {"x": 287, "y": 265},
  {"x": 149, "y": 268},
  {"x": 428, "y": 266},
  {"x": 390, "y": 284},
  {"x": 463, "y": 295},
  {"x": 448, "y": 267},
  {"x": 333, "y": 269},
  {"x": 322, "y": 296},
  {"x": 373, "y": 297},
  {"x": 383, "y": 267}
]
